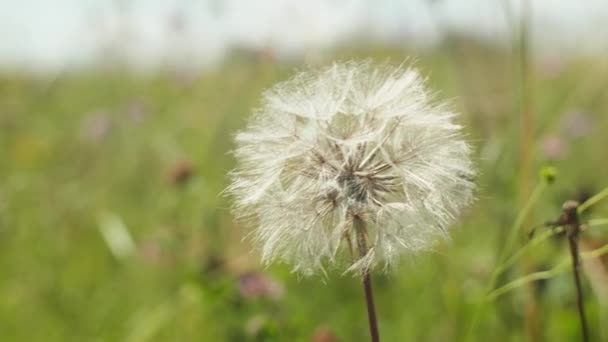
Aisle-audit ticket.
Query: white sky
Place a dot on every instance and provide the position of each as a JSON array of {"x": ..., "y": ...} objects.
[{"x": 51, "y": 35}]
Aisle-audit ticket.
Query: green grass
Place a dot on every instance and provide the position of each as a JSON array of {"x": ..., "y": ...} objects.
[{"x": 83, "y": 147}]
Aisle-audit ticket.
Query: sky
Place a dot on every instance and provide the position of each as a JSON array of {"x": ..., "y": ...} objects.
[{"x": 59, "y": 34}]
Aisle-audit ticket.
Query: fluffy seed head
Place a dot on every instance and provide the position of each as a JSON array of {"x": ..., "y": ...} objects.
[{"x": 352, "y": 166}]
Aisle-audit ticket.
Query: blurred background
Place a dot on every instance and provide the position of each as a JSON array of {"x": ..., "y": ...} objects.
[{"x": 116, "y": 122}]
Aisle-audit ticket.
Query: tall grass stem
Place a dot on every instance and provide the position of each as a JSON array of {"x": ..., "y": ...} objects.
[{"x": 512, "y": 237}]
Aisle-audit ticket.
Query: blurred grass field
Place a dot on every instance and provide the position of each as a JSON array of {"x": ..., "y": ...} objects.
[{"x": 89, "y": 156}]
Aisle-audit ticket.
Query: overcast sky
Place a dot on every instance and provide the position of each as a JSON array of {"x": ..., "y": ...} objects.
[{"x": 50, "y": 35}]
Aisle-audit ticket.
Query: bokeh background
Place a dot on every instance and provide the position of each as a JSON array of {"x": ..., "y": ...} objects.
[{"x": 116, "y": 122}]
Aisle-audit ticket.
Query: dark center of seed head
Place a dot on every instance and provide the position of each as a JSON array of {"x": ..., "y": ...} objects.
[{"x": 352, "y": 186}]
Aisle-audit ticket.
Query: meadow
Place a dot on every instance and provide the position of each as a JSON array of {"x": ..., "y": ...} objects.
[{"x": 113, "y": 225}]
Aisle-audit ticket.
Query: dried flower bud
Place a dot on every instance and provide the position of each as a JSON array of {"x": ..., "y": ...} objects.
[{"x": 181, "y": 173}]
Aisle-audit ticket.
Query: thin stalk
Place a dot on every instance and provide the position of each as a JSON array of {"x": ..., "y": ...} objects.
[
  {"x": 521, "y": 217},
  {"x": 576, "y": 267},
  {"x": 526, "y": 114},
  {"x": 359, "y": 226},
  {"x": 573, "y": 229}
]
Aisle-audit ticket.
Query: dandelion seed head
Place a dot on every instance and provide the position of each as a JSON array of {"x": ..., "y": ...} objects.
[{"x": 354, "y": 142}]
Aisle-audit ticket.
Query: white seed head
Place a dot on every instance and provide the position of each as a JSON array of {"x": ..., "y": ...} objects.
[{"x": 351, "y": 166}]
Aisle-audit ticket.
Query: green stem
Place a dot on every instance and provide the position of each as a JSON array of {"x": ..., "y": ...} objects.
[
  {"x": 512, "y": 237},
  {"x": 559, "y": 268},
  {"x": 597, "y": 222},
  {"x": 537, "y": 241},
  {"x": 593, "y": 200}
]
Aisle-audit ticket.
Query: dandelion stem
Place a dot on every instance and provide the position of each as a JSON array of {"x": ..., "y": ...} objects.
[
  {"x": 371, "y": 309},
  {"x": 359, "y": 226}
]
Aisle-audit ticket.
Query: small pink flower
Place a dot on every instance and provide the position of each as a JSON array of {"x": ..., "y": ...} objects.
[
  {"x": 554, "y": 147},
  {"x": 551, "y": 68},
  {"x": 324, "y": 335},
  {"x": 257, "y": 285}
]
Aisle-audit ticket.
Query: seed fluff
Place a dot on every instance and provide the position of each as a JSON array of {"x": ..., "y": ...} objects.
[{"x": 350, "y": 153}]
